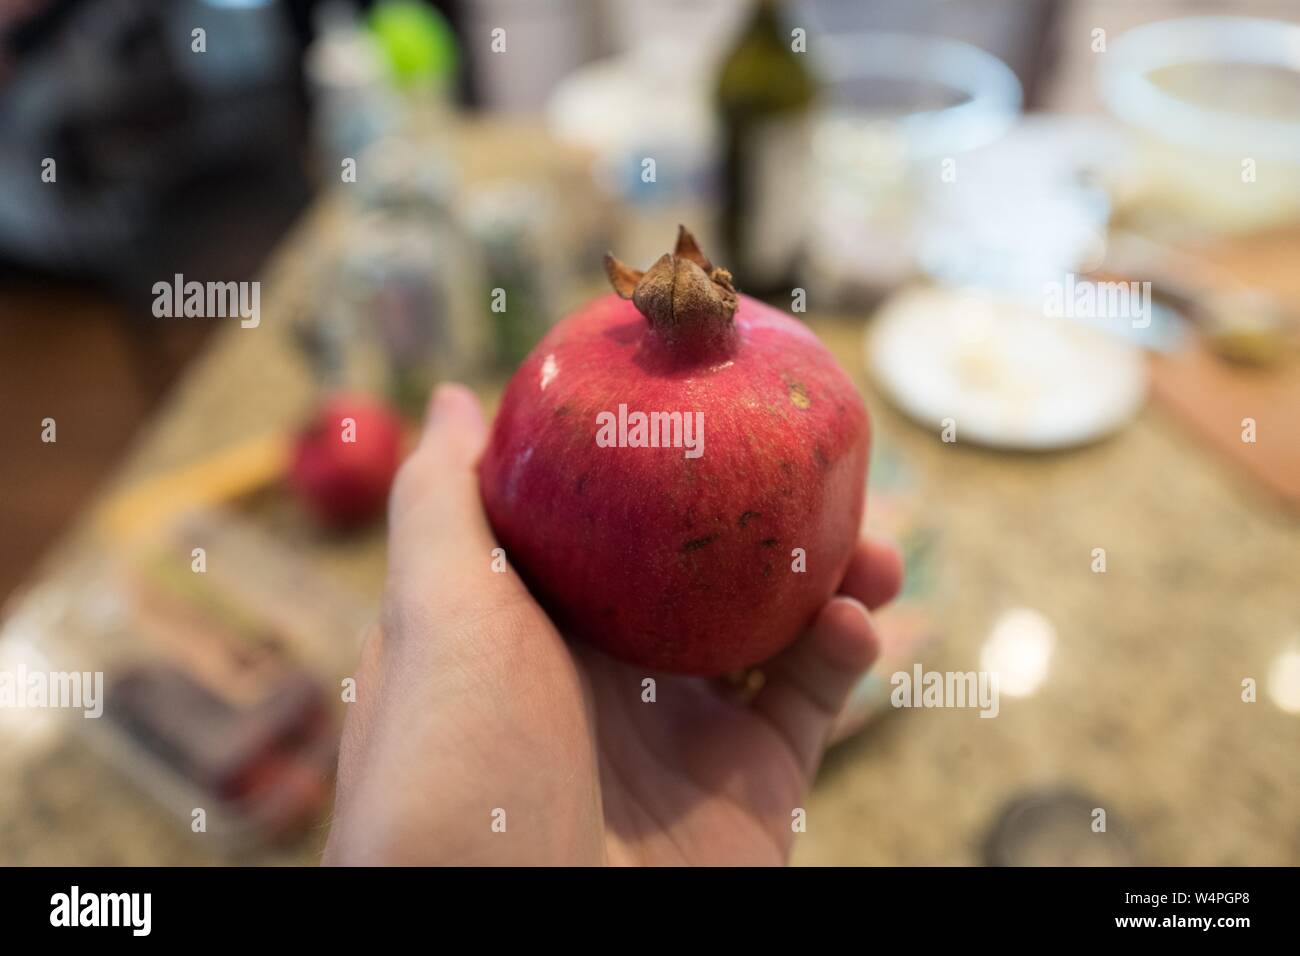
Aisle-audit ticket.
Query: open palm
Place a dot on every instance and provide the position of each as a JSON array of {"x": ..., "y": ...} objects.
[{"x": 480, "y": 736}]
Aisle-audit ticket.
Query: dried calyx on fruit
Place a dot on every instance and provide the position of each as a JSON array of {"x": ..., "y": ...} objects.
[{"x": 686, "y": 299}]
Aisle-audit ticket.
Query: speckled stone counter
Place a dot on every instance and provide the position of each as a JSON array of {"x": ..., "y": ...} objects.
[{"x": 1140, "y": 710}]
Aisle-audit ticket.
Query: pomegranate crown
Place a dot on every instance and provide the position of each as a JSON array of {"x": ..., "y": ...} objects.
[{"x": 687, "y": 300}]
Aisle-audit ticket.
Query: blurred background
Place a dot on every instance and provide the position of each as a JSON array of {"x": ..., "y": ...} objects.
[{"x": 1057, "y": 245}]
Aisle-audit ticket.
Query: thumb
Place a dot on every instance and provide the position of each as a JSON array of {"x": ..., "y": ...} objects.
[
  {"x": 437, "y": 533},
  {"x": 453, "y": 425}
]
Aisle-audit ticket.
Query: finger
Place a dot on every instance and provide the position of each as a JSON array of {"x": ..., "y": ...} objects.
[
  {"x": 442, "y": 465},
  {"x": 807, "y": 684},
  {"x": 875, "y": 573},
  {"x": 441, "y": 548},
  {"x": 454, "y": 423},
  {"x": 874, "y": 577},
  {"x": 434, "y": 516}
]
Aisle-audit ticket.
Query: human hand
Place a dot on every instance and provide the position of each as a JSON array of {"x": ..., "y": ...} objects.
[{"x": 472, "y": 709}]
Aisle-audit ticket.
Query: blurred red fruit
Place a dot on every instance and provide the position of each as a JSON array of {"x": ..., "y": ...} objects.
[{"x": 344, "y": 461}]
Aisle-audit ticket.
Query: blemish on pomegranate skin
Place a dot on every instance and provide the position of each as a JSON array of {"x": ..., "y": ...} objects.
[
  {"x": 582, "y": 483},
  {"x": 819, "y": 455},
  {"x": 749, "y": 516},
  {"x": 769, "y": 542},
  {"x": 627, "y": 334},
  {"x": 696, "y": 543},
  {"x": 799, "y": 396}
]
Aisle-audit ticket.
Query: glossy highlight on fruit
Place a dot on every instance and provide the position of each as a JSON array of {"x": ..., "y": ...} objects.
[{"x": 682, "y": 562}]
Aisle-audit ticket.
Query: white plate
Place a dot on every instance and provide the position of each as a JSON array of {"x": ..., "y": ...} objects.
[{"x": 1002, "y": 371}]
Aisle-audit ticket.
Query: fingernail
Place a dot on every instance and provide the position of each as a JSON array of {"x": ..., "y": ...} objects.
[
  {"x": 453, "y": 406},
  {"x": 856, "y": 604},
  {"x": 443, "y": 398}
]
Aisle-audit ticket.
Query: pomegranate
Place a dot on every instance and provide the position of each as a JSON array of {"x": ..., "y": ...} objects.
[
  {"x": 344, "y": 461},
  {"x": 634, "y": 532}
]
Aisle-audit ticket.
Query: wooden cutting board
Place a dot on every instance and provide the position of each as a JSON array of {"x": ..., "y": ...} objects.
[{"x": 1213, "y": 396}]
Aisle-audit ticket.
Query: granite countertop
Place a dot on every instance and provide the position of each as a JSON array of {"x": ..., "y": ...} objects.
[{"x": 1141, "y": 709}]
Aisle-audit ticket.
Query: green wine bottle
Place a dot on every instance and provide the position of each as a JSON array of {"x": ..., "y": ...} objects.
[{"x": 764, "y": 95}]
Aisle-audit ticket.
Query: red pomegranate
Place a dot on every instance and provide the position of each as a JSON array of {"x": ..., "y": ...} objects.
[
  {"x": 679, "y": 478},
  {"x": 345, "y": 459}
]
